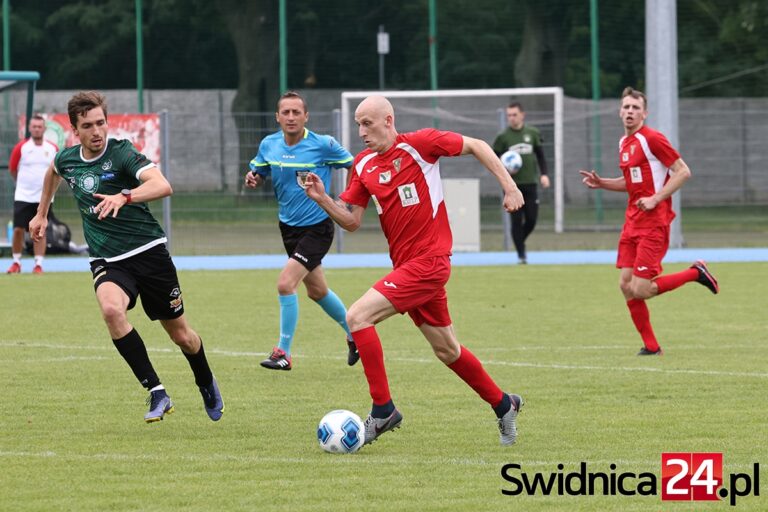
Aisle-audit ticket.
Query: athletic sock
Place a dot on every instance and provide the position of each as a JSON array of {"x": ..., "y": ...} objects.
[
  {"x": 504, "y": 406},
  {"x": 17, "y": 257},
  {"x": 334, "y": 308},
  {"x": 638, "y": 309},
  {"x": 471, "y": 371},
  {"x": 383, "y": 411},
  {"x": 372, "y": 357},
  {"x": 199, "y": 364},
  {"x": 289, "y": 317},
  {"x": 672, "y": 281},
  {"x": 132, "y": 348},
  {"x": 39, "y": 260}
]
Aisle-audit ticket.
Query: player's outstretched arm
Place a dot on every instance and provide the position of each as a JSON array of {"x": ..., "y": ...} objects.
[
  {"x": 513, "y": 198},
  {"x": 592, "y": 180},
  {"x": 39, "y": 222},
  {"x": 348, "y": 216},
  {"x": 153, "y": 186}
]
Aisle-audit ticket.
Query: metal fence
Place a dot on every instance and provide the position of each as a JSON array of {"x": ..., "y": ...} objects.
[{"x": 208, "y": 149}]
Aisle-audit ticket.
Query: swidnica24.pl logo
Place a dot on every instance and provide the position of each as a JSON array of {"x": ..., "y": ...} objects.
[{"x": 684, "y": 477}]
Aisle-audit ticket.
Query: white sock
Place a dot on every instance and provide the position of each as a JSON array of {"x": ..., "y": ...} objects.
[
  {"x": 156, "y": 388},
  {"x": 17, "y": 257},
  {"x": 39, "y": 260}
]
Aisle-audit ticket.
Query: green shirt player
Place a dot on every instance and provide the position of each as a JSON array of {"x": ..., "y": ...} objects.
[
  {"x": 112, "y": 182},
  {"x": 526, "y": 140}
]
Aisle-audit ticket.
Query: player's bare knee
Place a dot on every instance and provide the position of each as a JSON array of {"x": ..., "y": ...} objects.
[
  {"x": 447, "y": 354},
  {"x": 113, "y": 313}
]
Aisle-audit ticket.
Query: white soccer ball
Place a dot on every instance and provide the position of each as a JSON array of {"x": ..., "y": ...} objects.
[
  {"x": 341, "y": 432},
  {"x": 512, "y": 161}
]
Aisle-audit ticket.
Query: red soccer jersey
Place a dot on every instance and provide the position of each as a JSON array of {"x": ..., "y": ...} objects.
[
  {"x": 405, "y": 186},
  {"x": 645, "y": 158}
]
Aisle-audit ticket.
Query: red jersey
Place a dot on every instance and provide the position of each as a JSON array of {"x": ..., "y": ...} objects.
[
  {"x": 645, "y": 158},
  {"x": 405, "y": 186}
]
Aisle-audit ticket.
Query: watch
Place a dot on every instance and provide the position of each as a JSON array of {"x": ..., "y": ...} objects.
[{"x": 127, "y": 194}]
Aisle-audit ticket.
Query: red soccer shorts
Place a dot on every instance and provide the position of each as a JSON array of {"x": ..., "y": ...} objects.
[
  {"x": 418, "y": 288},
  {"x": 642, "y": 250}
]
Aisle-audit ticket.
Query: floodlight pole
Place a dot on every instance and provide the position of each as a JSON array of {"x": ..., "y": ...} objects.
[
  {"x": 139, "y": 57},
  {"x": 283, "y": 48},
  {"x": 661, "y": 80},
  {"x": 596, "y": 128},
  {"x": 6, "y": 35},
  {"x": 382, "y": 46}
]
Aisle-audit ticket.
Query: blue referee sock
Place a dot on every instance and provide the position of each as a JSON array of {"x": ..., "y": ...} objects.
[
  {"x": 333, "y": 306},
  {"x": 289, "y": 317}
]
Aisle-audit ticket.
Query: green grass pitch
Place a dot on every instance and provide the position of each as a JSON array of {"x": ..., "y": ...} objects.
[{"x": 72, "y": 435}]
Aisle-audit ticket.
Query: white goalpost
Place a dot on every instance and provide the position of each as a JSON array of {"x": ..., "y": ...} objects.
[{"x": 472, "y": 112}]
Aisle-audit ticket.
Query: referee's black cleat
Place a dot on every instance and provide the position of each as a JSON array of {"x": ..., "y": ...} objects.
[
  {"x": 705, "y": 277},
  {"x": 353, "y": 355},
  {"x": 277, "y": 360},
  {"x": 645, "y": 352}
]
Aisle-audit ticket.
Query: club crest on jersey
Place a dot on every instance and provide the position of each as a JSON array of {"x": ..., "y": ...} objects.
[
  {"x": 106, "y": 165},
  {"x": 88, "y": 182},
  {"x": 385, "y": 177},
  {"x": 625, "y": 157},
  {"x": 396, "y": 163},
  {"x": 408, "y": 194},
  {"x": 301, "y": 178}
]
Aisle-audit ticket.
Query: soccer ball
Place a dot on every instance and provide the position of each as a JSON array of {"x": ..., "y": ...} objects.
[
  {"x": 341, "y": 432},
  {"x": 512, "y": 161}
]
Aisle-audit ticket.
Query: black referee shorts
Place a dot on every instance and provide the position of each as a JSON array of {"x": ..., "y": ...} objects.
[{"x": 308, "y": 244}]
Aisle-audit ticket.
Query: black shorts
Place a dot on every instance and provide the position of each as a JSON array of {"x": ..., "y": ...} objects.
[
  {"x": 23, "y": 213},
  {"x": 308, "y": 244},
  {"x": 150, "y": 275}
]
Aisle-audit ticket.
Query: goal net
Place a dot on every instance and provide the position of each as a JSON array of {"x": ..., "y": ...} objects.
[{"x": 478, "y": 113}]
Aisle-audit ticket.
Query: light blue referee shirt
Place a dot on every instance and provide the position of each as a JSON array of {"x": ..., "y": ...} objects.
[{"x": 316, "y": 153}]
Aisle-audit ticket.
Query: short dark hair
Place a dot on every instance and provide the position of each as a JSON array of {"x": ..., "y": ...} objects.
[
  {"x": 638, "y": 95},
  {"x": 517, "y": 105},
  {"x": 83, "y": 102},
  {"x": 37, "y": 116},
  {"x": 292, "y": 94}
]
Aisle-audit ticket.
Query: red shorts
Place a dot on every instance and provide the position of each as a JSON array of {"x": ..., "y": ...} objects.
[
  {"x": 642, "y": 250},
  {"x": 417, "y": 287}
]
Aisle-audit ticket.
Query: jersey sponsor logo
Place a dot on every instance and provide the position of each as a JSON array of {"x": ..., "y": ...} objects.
[
  {"x": 635, "y": 175},
  {"x": 385, "y": 177},
  {"x": 522, "y": 148},
  {"x": 106, "y": 165},
  {"x": 396, "y": 163},
  {"x": 88, "y": 182},
  {"x": 176, "y": 304},
  {"x": 301, "y": 257},
  {"x": 107, "y": 176},
  {"x": 408, "y": 194},
  {"x": 389, "y": 284}
]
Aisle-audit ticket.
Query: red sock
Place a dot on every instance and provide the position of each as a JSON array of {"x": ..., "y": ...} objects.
[
  {"x": 638, "y": 309},
  {"x": 672, "y": 281},
  {"x": 471, "y": 371},
  {"x": 372, "y": 357}
]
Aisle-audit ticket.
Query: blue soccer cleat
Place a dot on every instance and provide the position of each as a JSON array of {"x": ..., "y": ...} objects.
[
  {"x": 159, "y": 405},
  {"x": 212, "y": 401}
]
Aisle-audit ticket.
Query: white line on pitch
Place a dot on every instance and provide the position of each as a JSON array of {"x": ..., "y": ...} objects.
[{"x": 551, "y": 366}]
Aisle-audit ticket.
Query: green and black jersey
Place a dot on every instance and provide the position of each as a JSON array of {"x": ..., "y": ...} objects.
[
  {"x": 526, "y": 141},
  {"x": 134, "y": 230}
]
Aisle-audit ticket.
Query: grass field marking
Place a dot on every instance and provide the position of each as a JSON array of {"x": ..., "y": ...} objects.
[{"x": 550, "y": 366}]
